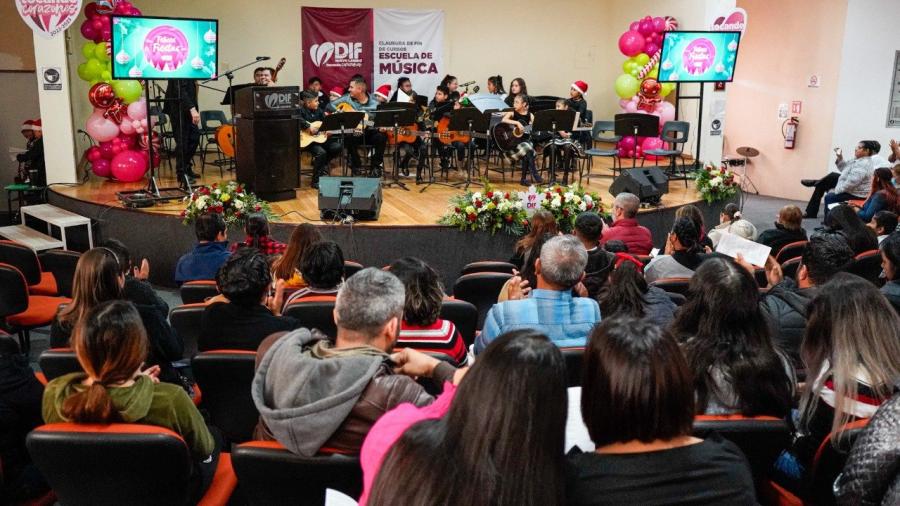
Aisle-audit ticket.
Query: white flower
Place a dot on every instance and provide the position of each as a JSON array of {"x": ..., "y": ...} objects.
[
  {"x": 582, "y": 207},
  {"x": 238, "y": 204},
  {"x": 576, "y": 199},
  {"x": 519, "y": 204},
  {"x": 587, "y": 198},
  {"x": 217, "y": 191},
  {"x": 716, "y": 181},
  {"x": 476, "y": 196},
  {"x": 556, "y": 202},
  {"x": 569, "y": 195},
  {"x": 201, "y": 202}
]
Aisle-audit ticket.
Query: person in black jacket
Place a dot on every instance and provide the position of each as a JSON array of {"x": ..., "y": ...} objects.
[
  {"x": 34, "y": 156},
  {"x": 322, "y": 153},
  {"x": 890, "y": 260},
  {"x": 136, "y": 289},
  {"x": 184, "y": 112},
  {"x": 588, "y": 227},
  {"x": 788, "y": 229},
  {"x": 786, "y": 304}
]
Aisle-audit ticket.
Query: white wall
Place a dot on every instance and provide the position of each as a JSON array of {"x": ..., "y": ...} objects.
[
  {"x": 18, "y": 102},
  {"x": 869, "y": 45}
]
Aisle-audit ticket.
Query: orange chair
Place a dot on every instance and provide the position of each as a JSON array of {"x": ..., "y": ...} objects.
[
  {"x": 867, "y": 265},
  {"x": 193, "y": 292},
  {"x": 26, "y": 260},
  {"x": 790, "y": 250},
  {"x": 789, "y": 267},
  {"x": 122, "y": 464},
  {"x": 21, "y": 310}
]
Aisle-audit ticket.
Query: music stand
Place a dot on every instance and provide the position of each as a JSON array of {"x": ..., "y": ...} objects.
[
  {"x": 638, "y": 125},
  {"x": 391, "y": 106},
  {"x": 393, "y": 118},
  {"x": 342, "y": 122},
  {"x": 471, "y": 120},
  {"x": 553, "y": 121}
]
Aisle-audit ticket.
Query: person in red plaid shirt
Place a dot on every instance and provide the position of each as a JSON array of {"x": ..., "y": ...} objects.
[{"x": 257, "y": 230}]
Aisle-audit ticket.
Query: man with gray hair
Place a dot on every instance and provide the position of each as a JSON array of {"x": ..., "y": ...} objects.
[
  {"x": 551, "y": 308},
  {"x": 312, "y": 392},
  {"x": 625, "y": 227}
]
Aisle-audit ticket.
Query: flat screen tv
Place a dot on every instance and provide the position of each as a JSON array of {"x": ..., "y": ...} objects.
[
  {"x": 146, "y": 47},
  {"x": 698, "y": 57}
]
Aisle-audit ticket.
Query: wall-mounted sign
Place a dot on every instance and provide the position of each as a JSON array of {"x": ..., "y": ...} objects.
[{"x": 48, "y": 18}]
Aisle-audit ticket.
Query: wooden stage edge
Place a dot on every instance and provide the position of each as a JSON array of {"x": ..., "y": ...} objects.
[{"x": 400, "y": 208}]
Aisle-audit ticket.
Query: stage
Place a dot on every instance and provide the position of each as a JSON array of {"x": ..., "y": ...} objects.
[{"x": 407, "y": 225}]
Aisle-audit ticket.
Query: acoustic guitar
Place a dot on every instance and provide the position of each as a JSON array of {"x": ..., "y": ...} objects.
[
  {"x": 307, "y": 137},
  {"x": 407, "y": 134},
  {"x": 278, "y": 68},
  {"x": 507, "y": 137}
]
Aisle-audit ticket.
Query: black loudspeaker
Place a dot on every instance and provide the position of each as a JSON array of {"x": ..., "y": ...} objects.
[
  {"x": 648, "y": 183},
  {"x": 359, "y": 197},
  {"x": 268, "y": 157}
]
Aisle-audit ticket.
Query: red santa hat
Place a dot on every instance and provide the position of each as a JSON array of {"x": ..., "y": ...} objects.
[
  {"x": 36, "y": 124},
  {"x": 580, "y": 87},
  {"x": 27, "y": 125},
  {"x": 384, "y": 91},
  {"x": 337, "y": 91}
]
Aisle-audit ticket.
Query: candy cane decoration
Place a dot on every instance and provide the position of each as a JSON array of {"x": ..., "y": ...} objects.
[{"x": 649, "y": 66}]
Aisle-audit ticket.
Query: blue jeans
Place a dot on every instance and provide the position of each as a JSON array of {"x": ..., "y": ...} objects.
[{"x": 831, "y": 198}]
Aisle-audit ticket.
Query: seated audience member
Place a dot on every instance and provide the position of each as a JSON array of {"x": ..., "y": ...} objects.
[
  {"x": 244, "y": 314},
  {"x": 210, "y": 252},
  {"x": 616, "y": 246},
  {"x": 588, "y": 228},
  {"x": 287, "y": 266},
  {"x": 422, "y": 327},
  {"x": 883, "y": 223},
  {"x": 737, "y": 369},
  {"x": 111, "y": 346},
  {"x": 257, "y": 230},
  {"x": 731, "y": 222},
  {"x": 786, "y": 304},
  {"x": 312, "y": 392},
  {"x": 851, "y": 350},
  {"x": 542, "y": 223},
  {"x": 550, "y": 309},
  {"x": 322, "y": 267},
  {"x": 693, "y": 212},
  {"x": 98, "y": 278},
  {"x": 882, "y": 195},
  {"x": 890, "y": 263},
  {"x": 788, "y": 229},
  {"x": 637, "y": 402},
  {"x": 682, "y": 256},
  {"x": 520, "y": 285},
  {"x": 850, "y": 179},
  {"x": 511, "y": 454},
  {"x": 136, "y": 289},
  {"x": 625, "y": 227},
  {"x": 627, "y": 293},
  {"x": 845, "y": 221},
  {"x": 866, "y": 479}
]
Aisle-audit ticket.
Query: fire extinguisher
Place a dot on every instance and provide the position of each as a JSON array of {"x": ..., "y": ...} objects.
[{"x": 789, "y": 132}]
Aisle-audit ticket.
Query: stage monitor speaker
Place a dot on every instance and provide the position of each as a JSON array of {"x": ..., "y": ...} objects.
[
  {"x": 268, "y": 157},
  {"x": 359, "y": 197},
  {"x": 648, "y": 183}
]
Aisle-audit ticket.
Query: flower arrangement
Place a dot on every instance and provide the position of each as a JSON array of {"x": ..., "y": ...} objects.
[
  {"x": 715, "y": 183},
  {"x": 230, "y": 200},
  {"x": 566, "y": 202},
  {"x": 491, "y": 211}
]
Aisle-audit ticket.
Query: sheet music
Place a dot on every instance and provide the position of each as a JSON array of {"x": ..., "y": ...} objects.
[
  {"x": 402, "y": 96},
  {"x": 577, "y": 120},
  {"x": 753, "y": 252}
]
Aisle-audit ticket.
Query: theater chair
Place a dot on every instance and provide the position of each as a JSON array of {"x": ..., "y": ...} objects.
[
  {"x": 185, "y": 320},
  {"x": 789, "y": 267},
  {"x": 464, "y": 315},
  {"x": 351, "y": 268},
  {"x": 26, "y": 260},
  {"x": 488, "y": 266},
  {"x": 761, "y": 438},
  {"x": 193, "y": 292},
  {"x": 315, "y": 312},
  {"x": 481, "y": 289},
  {"x": 121, "y": 464},
  {"x": 673, "y": 285},
  {"x": 57, "y": 362},
  {"x": 789, "y": 251},
  {"x": 22, "y": 311},
  {"x": 61, "y": 264},
  {"x": 867, "y": 265},
  {"x": 271, "y": 475},
  {"x": 677, "y": 298},
  {"x": 225, "y": 377},
  {"x": 574, "y": 359}
]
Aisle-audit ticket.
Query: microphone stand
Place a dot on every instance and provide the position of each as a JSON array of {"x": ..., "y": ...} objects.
[{"x": 230, "y": 76}]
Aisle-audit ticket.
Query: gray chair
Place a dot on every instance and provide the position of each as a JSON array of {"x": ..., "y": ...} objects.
[
  {"x": 209, "y": 122},
  {"x": 601, "y": 133},
  {"x": 676, "y": 134}
]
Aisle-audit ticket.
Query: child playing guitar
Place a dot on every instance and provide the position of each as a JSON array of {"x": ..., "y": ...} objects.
[{"x": 520, "y": 118}]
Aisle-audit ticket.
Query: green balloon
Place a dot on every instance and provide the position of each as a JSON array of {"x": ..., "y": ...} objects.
[
  {"x": 100, "y": 52},
  {"x": 627, "y": 86},
  {"x": 93, "y": 68},
  {"x": 105, "y": 76},
  {"x": 635, "y": 72},
  {"x": 128, "y": 91},
  {"x": 626, "y": 65},
  {"x": 654, "y": 73},
  {"x": 666, "y": 88},
  {"x": 82, "y": 72},
  {"x": 88, "y": 49},
  {"x": 642, "y": 59}
]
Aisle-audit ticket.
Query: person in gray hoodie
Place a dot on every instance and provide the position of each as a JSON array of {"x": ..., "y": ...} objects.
[{"x": 314, "y": 395}]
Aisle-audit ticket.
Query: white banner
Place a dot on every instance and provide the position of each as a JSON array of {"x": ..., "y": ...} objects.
[{"x": 409, "y": 43}]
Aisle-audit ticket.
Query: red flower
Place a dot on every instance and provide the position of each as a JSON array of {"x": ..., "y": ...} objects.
[
  {"x": 506, "y": 195},
  {"x": 457, "y": 210},
  {"x": 472, "y": 217},
  {"x": 559, "y": 190},
  {"x": 237, "y": 214},
  {"x": 183, "y": 213},
  {"x": 215, "y": 185},
  {"x": 722, "y": 170},
  {"x": 477, "y": 203},
  {"x": 489, "y": 195},
  {"x": 257, "y": 208},
  {"x": 239, "y": 189},
  {"x": 565, "y": 212},
  {"x": 524, "y": 223},
  {"x": 589, "y": 205},
  {"x": 548, "y": 195},
  {"x": 193, "y": 196},
  {"x": 508, "y": 218}
]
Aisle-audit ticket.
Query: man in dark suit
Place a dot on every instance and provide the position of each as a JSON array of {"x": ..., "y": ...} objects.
[{"x": 183, "y": 110}]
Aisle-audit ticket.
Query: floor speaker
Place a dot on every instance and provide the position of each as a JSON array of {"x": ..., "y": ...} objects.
[
  {"x": 268, "y": 157},
  {"x": 359, "y": 197},
  {"x": 648, "y": 183}
]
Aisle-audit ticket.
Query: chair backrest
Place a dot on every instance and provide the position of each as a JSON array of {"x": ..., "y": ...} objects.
[
  {"x": 23, "y": 258},
  {"x": 13, "y": 291},
  {"x": 225, "y": 378},
  {"x": 270, "y": 474},
  {"x": 604, "y": 131},
  {"x": 185, "y": 319},
  {"x": 867, "y": 265},
  {"x": 488, "y": 266},
  {"x": 61, "y": 264},
  {"x": 464, "y": 315},
  {"x": 574, "y": 359},
  {"x": 211, "y": 119},
  {"x": 761, "y": 438},
  {"x": 198, "y": 290},
  {"x": 351, "y": 268},
  {"x": 790, "y": 250},
  {"x": 112, "y": 464},
  {"x": 829, "y": 462},
  {"x": 481, "y": 289},
  {"x": 57, "y": 362},
  {"x": 674, "y": 285},
  {"x": 789, "y": 267},
  {"x": 675, "y": 132},
  {"x": 314, "y": 314}
]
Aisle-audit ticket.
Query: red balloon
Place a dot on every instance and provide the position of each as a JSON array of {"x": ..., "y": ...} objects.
[
  {"x": 102, "y": 167},
  {"x": 102, "y": 95},
  {"x": 106, "y": 150},
  {"x": 105, "y": 35},
  {"x": 129, "y": 166},
  {"x": 93, "y": 154},
  {"x": 650, "y": 88},
  {"x": 128, "y": 141},
  {"x": 90, "y": 10},
  {"x": 96, "y": 23},
  {"x": 87, "y": 30}
]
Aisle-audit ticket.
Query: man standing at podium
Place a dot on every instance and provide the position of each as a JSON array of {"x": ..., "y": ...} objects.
[
  {"x": 181, "y": 106},
  {"x": 359, "y": 99}
]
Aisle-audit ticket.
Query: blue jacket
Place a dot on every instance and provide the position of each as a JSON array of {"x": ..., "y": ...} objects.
[
  {"x": 201, "y": 263},
  {"x": 876, "y": 203}
]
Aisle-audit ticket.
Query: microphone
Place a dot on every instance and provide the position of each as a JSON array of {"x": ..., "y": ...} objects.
[
  {"x": 475, "y": 89},
  {"x": 262, "y": 58},
  {"x": 468, "y": 83}
]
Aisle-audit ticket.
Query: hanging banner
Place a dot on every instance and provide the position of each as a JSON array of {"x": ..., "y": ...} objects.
[
  {"x": 409, "y": 43},
  {"x": 49, "y": 18},
  {"x": 336, "y": 44}
]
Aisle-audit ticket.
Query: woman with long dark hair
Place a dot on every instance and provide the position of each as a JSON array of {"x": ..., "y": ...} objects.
[
  {"x": 452, "y": 84},
  {"x": 627, "y": 293},
  {"x": 497, "y": 439},
  {"x": 542, "y": 222},
  {"x": 728, "y": 345},
  {"x": 844, "y": 220},
  {"x": 693, "y": 212},
  {"x": 890, "y": 264},
  {"x": 516, "y": 87},
  {"x": 287, "y": 266},
  {"x": 882, "y": 196},
  {"x": 683, "y": 253},
  {"x": 257, "y": 229}
]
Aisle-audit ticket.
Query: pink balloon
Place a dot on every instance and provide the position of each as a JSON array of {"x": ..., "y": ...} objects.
[
  {"x": 106, "y": 150},
  {"x": 93, "y": 154},
  {"x": 623, "y": 152},
  {"x": 659, "y": 24},
  {"x": 631, "y": 153},
  {"x": 628, "y": 142},
  {"x": 126, "y": 127},
  {"x": 652, "y": 143},
  {"x": 631, "y": 43},
  {"x": 666, "y": 112},
  {"x": 102, "y": 167},
  {"x": 127, "y": 140},
  {"x": 634, "y": 26},
  {"x": 138, "y": 110},
  {"x": 631, "y": 106},
  {"x": 129, "y": 166},
  {"x": 87, "y": 30},
  {"x": 100, "y": 128},
  {"x": 651, "y": 48},
  {"x": 646, "y": 27}
]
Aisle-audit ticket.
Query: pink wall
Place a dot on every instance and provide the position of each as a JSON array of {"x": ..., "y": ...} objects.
[{"x": 785, "y": 43}]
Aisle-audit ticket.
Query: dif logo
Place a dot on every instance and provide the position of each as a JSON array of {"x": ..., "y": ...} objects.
[
  {"x": 278, "y": 100},
  {"x": 337, "y": 52}
]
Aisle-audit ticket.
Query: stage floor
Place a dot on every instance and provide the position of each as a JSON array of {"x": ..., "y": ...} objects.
[{"x": 399, "y": 208}]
